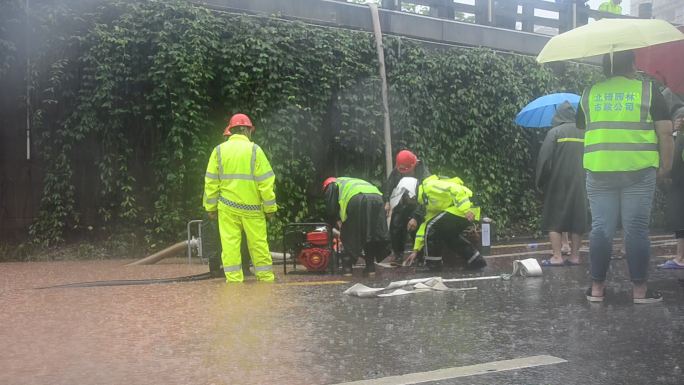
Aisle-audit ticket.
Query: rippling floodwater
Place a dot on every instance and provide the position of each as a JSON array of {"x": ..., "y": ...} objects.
[
  {"x": 209, "y": 332},
  {"x": 187, "y": 333}
]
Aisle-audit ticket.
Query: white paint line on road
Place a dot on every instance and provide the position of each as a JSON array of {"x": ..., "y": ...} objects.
[
  {"x": 315, "y": 283},
  {"x": 584, "y": 242},
  {"x": 582, "y": 250},
  {"x": 461, "y": 371}
]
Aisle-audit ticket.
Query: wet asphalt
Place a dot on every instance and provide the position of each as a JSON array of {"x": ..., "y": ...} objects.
[{"x": 211, "y": 333}]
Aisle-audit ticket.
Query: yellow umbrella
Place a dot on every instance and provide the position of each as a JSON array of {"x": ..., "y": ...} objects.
[{"x": 606, "y": 36}]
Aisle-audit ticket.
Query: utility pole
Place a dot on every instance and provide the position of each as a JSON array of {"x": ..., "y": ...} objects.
[{"x": 385, "y": 98}]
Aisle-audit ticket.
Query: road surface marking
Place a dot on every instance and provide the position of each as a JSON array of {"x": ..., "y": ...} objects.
[
  {"x": 461, "y": 371},
  {"x": 315, "y": 283},
  {"x": 582, "y": 250},
  {"x": 584, "y": 242}
]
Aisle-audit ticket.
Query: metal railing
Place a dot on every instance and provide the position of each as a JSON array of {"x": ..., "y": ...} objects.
[{"x": 510, "y": 14}]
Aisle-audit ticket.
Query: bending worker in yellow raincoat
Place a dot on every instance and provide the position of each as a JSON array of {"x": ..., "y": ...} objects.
[
  {"x": 449, "y": 213},
  {"x": 239, "y": 186}
]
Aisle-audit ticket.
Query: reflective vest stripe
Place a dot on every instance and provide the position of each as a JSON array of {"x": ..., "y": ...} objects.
[
  {"x": 231, "y": 269},
  {"x": 264, "y": 176},
  {"x": 241, "y": 206},
  {"x": 212, "y": 201},
  {"x": 474, "y": 257},
  {"x": 438, "y": 188},
  {"x": 462, "y": 201},
  {"x": 645, "y": 101},
  {"x": 585, "y": 107},
  {"x": 237, "y": 176},
  {"x": 263, "y": 268},
  {"x": 427, "y": 232},
  {"x": 211, "y": 176},
  {"x": 269, "y": 203},
  {"x": 562, "y": 140},
  {"x": 252, "y": 165},
  {"x": 620, "y": 125},
  {"x": 218, "y": 159},
  {"x": 621, "y": 147}
]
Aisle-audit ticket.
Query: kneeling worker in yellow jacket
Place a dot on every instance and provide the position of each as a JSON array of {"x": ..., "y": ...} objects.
[
  {"x": 449, "y": 213},
  {"x": 239, "y": 186}
]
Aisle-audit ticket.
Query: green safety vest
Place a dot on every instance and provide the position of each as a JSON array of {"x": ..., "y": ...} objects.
[
  {"x": 348, "y": 188},
  {"x": 608, "y": 6},
  {"x": 620, "y": 133}
]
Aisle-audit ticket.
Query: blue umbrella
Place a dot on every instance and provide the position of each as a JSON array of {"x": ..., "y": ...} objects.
[{"x": 539, "y": 113}]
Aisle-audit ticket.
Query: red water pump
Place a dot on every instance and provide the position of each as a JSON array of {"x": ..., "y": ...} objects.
[{"x": 315, "y": 253}]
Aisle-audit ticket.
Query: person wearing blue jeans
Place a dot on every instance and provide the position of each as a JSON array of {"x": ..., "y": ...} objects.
[
  {"x": 629, "y": 195},
  {"x": 627, "y": 147}
]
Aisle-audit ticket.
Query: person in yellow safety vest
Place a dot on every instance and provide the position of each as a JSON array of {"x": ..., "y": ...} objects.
[
  {"x": 356, "y": 208},
  {"x": 628, "y": 146},
  {"x": 449, "y": 212},
  {"x": 611, "y": 6},
  {"x": 238, "y": 185}
]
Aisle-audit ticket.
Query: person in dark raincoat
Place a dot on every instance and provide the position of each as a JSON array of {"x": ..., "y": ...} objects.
[
  {"x": 356, "y": 208},
  {"x": 404, "y": 217},
  {"x": 560, "y": 177},
  {"x": 675, "y": 196}
]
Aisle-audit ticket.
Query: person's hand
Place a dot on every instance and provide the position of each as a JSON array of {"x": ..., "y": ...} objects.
[
  {"x": 412, "y": 225},
  {"x": 336, "y": 233},
  {"x": 270, "y": 216},
  {"x": 411, "y": 258},
  {"x": 470, "y": 216},
  {"x": 388, "y": 208},
  {"x": 339, "y": 225},
  {"x": 663, "y": 177},
  {"x": 213, "y": 215}
]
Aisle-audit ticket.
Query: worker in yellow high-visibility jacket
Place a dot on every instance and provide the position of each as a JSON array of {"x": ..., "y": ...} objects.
[
  {"x": 238, "y": 190},
  {"x": 449, "y": 211}
]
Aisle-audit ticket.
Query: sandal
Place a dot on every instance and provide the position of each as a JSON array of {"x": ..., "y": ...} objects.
[
  {"x": 548, "y": 263},
  {"x": 592, "y": 298},
  {"x": 671, "y": 264},
  {"x": 651, "y": 297}
]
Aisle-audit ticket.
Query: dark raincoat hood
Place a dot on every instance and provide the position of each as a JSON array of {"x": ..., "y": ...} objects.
[{"x": 565, "y": 113}]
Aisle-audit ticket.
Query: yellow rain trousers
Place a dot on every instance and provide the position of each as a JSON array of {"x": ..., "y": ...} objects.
[
  {"x": 239, "y": 184},
  {"x": 231, "y": 226}
]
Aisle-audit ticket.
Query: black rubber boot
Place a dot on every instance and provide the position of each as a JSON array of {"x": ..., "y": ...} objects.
[
  {"x": 476, "y": 262},
  {"x": 370, "y": 266}
]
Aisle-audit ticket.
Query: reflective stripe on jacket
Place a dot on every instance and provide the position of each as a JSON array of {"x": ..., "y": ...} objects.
[
  {"x": 620, "y": 133},
  {"x": 443, "y": 195},
  {"x": 240, "y": 177},
  {"x": 348, "y": 188}
]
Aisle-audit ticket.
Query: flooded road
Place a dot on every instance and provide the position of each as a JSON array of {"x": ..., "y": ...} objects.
[
  {"x": 187, "y": 333},
  {"x": 209, "y": 332}
]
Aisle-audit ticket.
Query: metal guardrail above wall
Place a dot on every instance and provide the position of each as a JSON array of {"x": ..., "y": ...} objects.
[{"x": 563, "y": 15}]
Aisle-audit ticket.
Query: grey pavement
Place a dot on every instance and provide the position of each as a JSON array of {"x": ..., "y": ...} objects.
[{"x": 616, "y": 342}]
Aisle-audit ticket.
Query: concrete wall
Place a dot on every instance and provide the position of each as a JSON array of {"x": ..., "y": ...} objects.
[{"x": 357, "y": 16}]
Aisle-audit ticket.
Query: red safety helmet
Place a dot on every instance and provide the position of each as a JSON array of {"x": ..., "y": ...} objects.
[
  {"x": 238, "y": 120},
  {"x": 328, "y": 181},
  {"x": 406, "y": 161}
]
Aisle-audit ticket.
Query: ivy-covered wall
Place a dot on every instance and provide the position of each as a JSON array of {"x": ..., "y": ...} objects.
[{"x": 131, "y": 96}]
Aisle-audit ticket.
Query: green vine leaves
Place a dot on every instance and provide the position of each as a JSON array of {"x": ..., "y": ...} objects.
[{"x": 140, "y": 92}]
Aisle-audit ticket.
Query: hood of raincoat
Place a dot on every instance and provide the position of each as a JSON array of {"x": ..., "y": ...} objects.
[{"x": 565, "y": 113}]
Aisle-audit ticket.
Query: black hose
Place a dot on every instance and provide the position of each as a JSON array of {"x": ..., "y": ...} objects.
[{"x": 129, "y": 282}]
